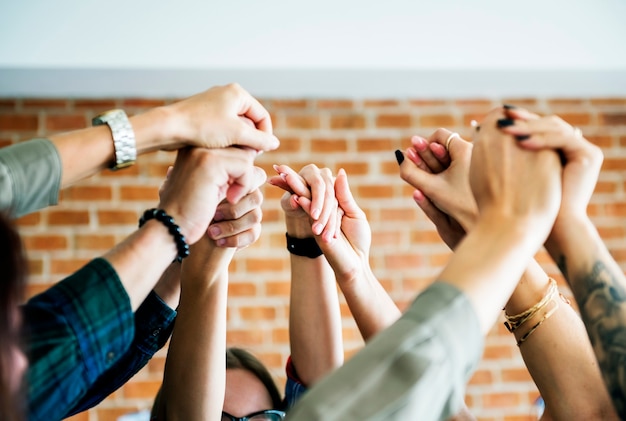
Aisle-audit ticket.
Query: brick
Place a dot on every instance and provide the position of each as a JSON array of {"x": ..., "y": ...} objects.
[
  {"x": 393, "y": 121},
  {"x": 608, "y": 119},
  {"x": 374, "y": 191},
  {"x": 303, "y": 121},
  {"x": 66, "y": 266},
  {"x": 261, "y": 265},
  {"x": 277, "y": 288},
  {"x": 33, "y": 289},
  {"x": 497, "y": 352},
  {"x": 516, "y": 375},
  {"x": 354, "y": 168},
  {"x": 29, "y": 220},
  {"x": 614, "y": 164},
  {"x": 113, "y": 217},
  {"x": 347, "y": 121},
  {"x": 288, "y": 104},
  {"x": 45, "y": 242},
  {"x": 324, "y": 104},
  {"x": 289, "y": 144},
  {"x": 606, "y": 187},
  {"x": 280, "y": 335},
  {"x": 8, "y": 104},
  {"x": 83, "y": 416},
  {"x": 602, "y": 141},
  {"x": 482, "y": 377},
  {"x": 98, "y": 104},
  {"x": 239, "y": 289},
  {"x": 141, "y": 389},
  {"x": 68, "y": 217},
  {"x": 257, "y": 313},
  {"x": 19, "y": 122},
  {"x": 501, "y": 400},
  {"x": 94, "y": 242},
  {"x": 403, "y": 261},
  {"x": 113, "y": 414},
  {"x": 565, "y": 101},
  {"x": 43, "y": 103},
  {"x": 5, "y": 142},
  {"x": 57, "y": 123},
  {"x": 576, "y": 119},
  {"x": 245, "y": 337},
  {"x": 376, "y": 144},
  {"x": 608, "y": 101},
  {"x": 139, "y": 193},
  {"x": 329, "y": 145},
  {"x": 142, "y": 103},
  {"x": 272, "y": 215},
  {"x": 35, "y": 267},
  {"x": 371, "y": 103},
  {"x": 131, "y": 171},
  {"x": 481, "y": 103},
  {"x": 88, "y": 193},
  {"x": 427, "y": 102},
  {"x": 520, "y": 102},
  {"x": 437, "y": 120}
]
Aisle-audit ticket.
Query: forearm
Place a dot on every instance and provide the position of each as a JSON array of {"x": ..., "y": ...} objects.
[
  {"x": 489, "y": 262},
  {"x": 372, "y": 308},
  {"x": 552, "y": 349},
  {"x": 315, "y": 335},
  {"x": 599, "y": 287},
  {"x": 141, "y": 259},
  {"x": 88, "y": 151},
  {"x": 168, "y": 286},
  {"x": 195, "y": 371}
]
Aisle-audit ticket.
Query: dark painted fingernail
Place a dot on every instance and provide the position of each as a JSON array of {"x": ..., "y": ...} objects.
[
  {"x": 522, "y": 137},
  {"x": 509, "y": 107},
  {"x": 399, "y": 156},
  {"x": 505, "y": 122}
]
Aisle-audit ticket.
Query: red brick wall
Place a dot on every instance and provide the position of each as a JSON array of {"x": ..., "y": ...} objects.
[{"x": 359, "y": 136}]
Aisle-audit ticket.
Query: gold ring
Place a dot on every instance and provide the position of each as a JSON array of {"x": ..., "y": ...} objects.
[
  {"x": 577, "y": 132},
  {"x": 449, "y": 139}
]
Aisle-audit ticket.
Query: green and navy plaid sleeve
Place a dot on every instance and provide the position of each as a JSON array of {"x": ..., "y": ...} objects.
[
  {"x": 154, "y": 321},
  {"x": 76, "y": 330}
]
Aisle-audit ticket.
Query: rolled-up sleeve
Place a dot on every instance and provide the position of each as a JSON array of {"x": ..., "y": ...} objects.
[
  {"x": 416, "y": 369},
  {"x": 30, "y": 176}
]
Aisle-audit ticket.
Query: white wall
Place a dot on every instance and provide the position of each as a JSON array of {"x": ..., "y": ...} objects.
[{"x": 174, "y": 42}]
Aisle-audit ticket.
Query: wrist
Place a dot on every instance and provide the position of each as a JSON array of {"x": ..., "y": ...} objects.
[
  {"x": 298, "y": 227},
  {"x": 155, "y": 130}
]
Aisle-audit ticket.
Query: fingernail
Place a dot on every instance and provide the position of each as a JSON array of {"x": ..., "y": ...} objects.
[
  {"x": 221, "y": 242},
  {"x": 509, "y": 107},
  {"x": 218, "y": 216},
  {"x": 215, "y": 231},
  {"x": 399, "y": 156},
  {"x": 275, "y": 167},
  {"x": 315, "y": 213},
  {"x": 522, "y": 137},
  {"x": 505, "y": 122}
]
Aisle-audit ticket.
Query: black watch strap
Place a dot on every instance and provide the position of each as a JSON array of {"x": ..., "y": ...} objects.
[{"x": 305, "y": 247}]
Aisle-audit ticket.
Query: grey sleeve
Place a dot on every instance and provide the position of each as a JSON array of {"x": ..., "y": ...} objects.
[
  {"x": 416, "y": 369},
  {"x": 30, "y": 176}
]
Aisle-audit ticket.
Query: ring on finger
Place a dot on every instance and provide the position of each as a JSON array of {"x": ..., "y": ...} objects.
[
  {"x": 577, "y": 132},
  {"x": 449, "y": 139}
]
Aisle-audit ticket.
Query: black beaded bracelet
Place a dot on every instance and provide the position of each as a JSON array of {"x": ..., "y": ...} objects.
[
  {"x": 168, "y": 221},
  {"x": 305, "y": 247}
]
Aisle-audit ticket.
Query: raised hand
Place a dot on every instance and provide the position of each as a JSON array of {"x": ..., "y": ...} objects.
[{"x": 212, "y": 120}]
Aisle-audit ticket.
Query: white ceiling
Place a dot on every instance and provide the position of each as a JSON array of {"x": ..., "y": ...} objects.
[{"x": 172, "y": 40}]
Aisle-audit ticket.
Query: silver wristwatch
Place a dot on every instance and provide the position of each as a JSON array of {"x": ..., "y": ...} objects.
[{"x": 123, "y": 137}]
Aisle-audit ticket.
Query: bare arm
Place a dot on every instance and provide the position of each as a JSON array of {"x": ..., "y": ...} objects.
[
  {"x": 315, "y": 330},
  {"x": 193, "y": 385},
  {"x": 561, "y": 342},
  {"x": 596, "y": 280},
  {"x": 219, "y": 117}
]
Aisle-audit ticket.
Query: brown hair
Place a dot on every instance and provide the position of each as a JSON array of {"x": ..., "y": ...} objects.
[
  {"x": 14, "y": 270},
  {"x": 240, "y": 358}
]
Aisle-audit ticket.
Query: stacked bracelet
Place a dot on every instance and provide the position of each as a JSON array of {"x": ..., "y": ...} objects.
[
  {"x": 168, "y": 221},
  {"x": 305, "y": 247}
]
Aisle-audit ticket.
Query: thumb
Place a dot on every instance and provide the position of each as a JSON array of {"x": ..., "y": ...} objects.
[
  {"x": 344, "y": 196},
  {"x": 255, "y": 138}
]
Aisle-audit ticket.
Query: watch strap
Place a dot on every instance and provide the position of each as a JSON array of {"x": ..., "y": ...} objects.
[
  {"x": 305, "y": 247},
  {"x": 123, "y": 137}
]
